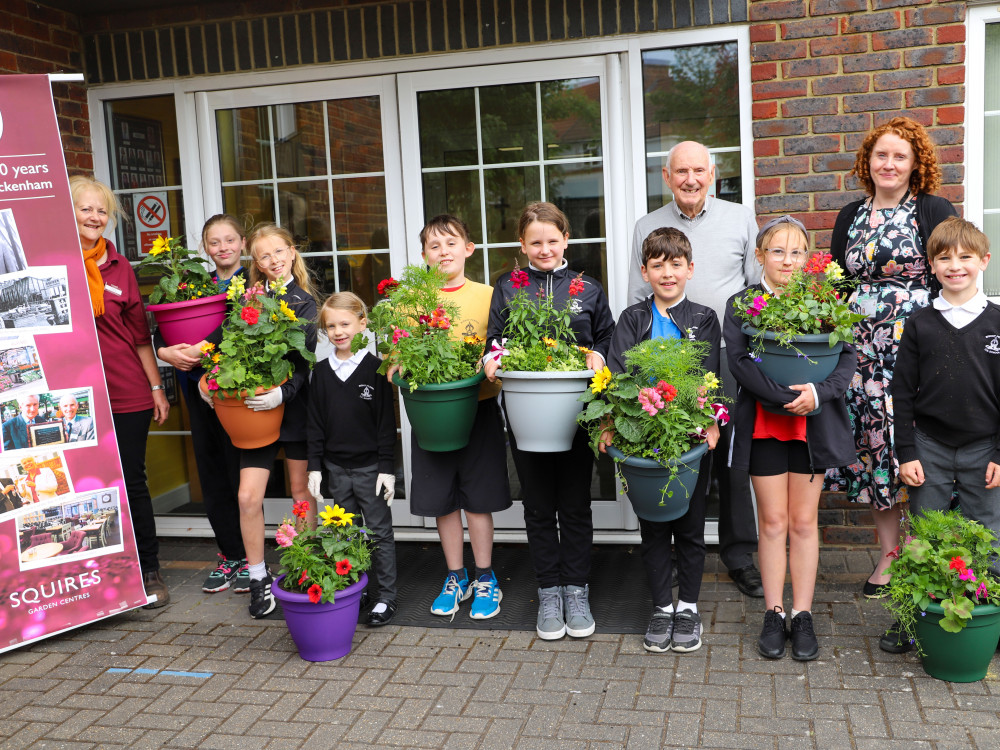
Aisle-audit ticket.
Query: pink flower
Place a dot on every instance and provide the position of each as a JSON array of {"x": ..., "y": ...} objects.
[
  {"x": 285, "y": 534},
  {"x": 759, "y": 303},
  {"x": 982, "y": 592},
  {"x": 399, "y": 333},
  {"x": 576, "y": 286},
  {"x": 519, "y": 278},
  {"x": 702, "y": 401},
  {"x": 213, "y": 385},
  {"x": 967, "y": 575},
  {"x": 721, "y": 414},
  {"x": 753, "y": 312},
  {"x": 650, "y": 400},
  {"x": 424, "y": 319}
]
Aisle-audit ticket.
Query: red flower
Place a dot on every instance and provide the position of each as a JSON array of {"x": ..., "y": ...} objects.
[
  {"x": 300, "y": 508},
  {"x": 387, "y": 285},
  {"x": 666, "y": 390},
  {"x": 519, "y": 278},
  {"x": 315, "y": 593},
  {"x": 343, "y": 567},
  {"x": 303, "y": 577},
  {"x": 576, "y": 286},
  {"x": 250, "y": 315},
  {"x": 957, "y": 563},
  {"x": 818, "y": 263}
]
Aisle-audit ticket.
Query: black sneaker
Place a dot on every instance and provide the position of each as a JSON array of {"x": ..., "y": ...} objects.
[
  {"x": 894, "y": 640},
  {"x": 658, "y": 632},
  {"x": 687, "y": 632},
  {"x": 804, "y": 646},
  {"x": 261, "y": 599},
  {"x": 771, "y": 644}
]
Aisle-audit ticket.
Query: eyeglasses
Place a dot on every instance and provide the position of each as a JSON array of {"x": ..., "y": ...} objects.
[
  {"x": 778, "y": 254},
  {"x": 265, "y": 260}
]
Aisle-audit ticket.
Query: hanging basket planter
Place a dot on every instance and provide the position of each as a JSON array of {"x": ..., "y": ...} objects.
[
  {"x": 441, "y": 414},
  {"x": 541, "y": 407},
  {"x": 189, "y": 322},
  {"x": 248, "y": 429},
  {"x": 323, "y": 631},
  {"x": 648, "y": 483}
]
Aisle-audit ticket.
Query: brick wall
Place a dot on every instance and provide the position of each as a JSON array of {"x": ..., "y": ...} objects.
[
  {"x": 37, "y": 39},
  {"x": 824, "y": 73}
]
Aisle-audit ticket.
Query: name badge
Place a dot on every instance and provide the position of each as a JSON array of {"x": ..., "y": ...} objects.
[{"x": 113, "y": 289}]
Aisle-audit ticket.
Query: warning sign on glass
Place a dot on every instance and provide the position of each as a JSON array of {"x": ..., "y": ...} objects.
[{"x": 151, "y": 217}]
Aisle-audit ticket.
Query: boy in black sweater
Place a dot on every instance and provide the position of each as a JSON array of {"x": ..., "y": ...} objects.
[
  {"x": 668, "y": 313},
  {"x": 946, "y": 385}
]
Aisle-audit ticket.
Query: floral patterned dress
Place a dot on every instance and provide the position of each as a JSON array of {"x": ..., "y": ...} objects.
[{"x": 886, "y": 255}]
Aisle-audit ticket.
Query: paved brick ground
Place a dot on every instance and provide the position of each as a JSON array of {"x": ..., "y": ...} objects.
[{"x": 433, "y": 688}]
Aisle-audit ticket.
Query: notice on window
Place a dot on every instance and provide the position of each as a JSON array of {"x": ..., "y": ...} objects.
[{"x": 67, "y": 549}]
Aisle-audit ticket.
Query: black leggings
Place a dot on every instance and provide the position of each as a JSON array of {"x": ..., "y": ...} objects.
[{"x": 131, "y": 431}]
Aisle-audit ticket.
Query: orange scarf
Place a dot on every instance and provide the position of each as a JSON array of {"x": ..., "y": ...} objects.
[{"x": 95, "y": 282}]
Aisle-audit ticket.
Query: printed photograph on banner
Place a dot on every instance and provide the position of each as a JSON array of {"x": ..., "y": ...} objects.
[
  {"x": 79, "y": 527},
  {"x": 35, "y": 301},
  {"x": 11, "y": 250},
  {"x": 32, "y": 478},
  {"x": 37, "y": 419},
  {"x": 20, "y": 367}
]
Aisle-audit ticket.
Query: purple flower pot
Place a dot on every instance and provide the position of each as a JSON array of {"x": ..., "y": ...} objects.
[
  {"x": 189, "y": 322},
  {"x": 321, "y": 632}
]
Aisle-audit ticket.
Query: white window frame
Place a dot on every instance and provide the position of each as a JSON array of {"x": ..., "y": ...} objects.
[{"x": 975, "y": 111}]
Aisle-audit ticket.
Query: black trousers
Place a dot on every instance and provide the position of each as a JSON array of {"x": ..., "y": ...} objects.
[
  {"x": 218, "y": 462},
  {"x": 737, "y": 522},
  {"x": 131, "y": 431},
  {"x": 557, "y": 515},
  {"x": 688, "y": 533}
]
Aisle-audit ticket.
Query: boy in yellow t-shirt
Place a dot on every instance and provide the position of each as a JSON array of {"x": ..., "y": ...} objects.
[{"x": 474, "y": 478}]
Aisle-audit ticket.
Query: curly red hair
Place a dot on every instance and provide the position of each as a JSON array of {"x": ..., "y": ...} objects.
[{"x": 926, "y": 177}]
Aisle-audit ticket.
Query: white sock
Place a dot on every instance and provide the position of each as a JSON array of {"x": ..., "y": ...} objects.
[
  {"x": 257, "y": 571},
  {"x": 379, "y": 608},
  {"x": 797, "y": 612},
  {"x": 687, "y": 607},
  {"x": 669, "y": 609}
]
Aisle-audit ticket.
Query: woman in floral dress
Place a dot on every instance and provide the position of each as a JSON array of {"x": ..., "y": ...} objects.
[{"x": 880, "y": 242}]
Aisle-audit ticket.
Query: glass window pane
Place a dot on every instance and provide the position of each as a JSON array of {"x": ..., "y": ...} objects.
[
  {"x": 992, "y": 91},
  {"x": 501, "y": 262},
  {"x": 991, "y": 276},
  {"x": 253, "y": 201},
  {"x": 361, "y": 272},
  {"x": 578, "y": 189},
  {"x": 304, "y": 210},
  {"x": 360, "y": 213},
  {"x": 509, "y": 123},
  {"x": 728, "y": 178},
  {"x": 355, "y": 135},
  {"x": 571, "y": 113},
  {"x": 244, "y": 139},
  {"x": 507, "y": 192},
  {"x": 991, "y": 148},
  {"x": 455, "y": 193},
  {"x": 447, "y": 128},
  {"x": 142, "y": 142},
  {"x": 321, "y": 270},
  {"x": 591, "y": 258},
  {"x": 300, "y": 139}
]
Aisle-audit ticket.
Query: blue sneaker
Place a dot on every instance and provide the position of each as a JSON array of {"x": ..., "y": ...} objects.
[
  {"x": 453, "y": 593},
  {"x": 488, "y": 596}
]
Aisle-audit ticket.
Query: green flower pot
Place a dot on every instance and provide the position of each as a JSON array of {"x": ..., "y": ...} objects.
[
  {"x": 647, "y": 479},
  {"x": 442, "y": 414},
  {"x": 963, "y": 656}
]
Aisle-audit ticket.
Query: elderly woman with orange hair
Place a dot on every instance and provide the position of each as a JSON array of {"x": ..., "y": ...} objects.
[{"x": 880, "y": 241}]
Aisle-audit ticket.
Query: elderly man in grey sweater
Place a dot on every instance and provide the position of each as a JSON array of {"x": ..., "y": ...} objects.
[{"x": 722, "y": 238}]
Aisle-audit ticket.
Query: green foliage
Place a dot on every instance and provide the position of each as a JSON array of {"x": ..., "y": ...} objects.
[
  {"x": 413, "y": 331},
  {"x": 538, "y": 336},
  {"x": 183, "y": 273},
  {"x": 929, "y": 568}
]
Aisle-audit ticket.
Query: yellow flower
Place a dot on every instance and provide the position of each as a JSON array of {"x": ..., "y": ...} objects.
[
  {"x": 766, "y": 296},
  {"x": 286, "y": 311},
  {"x": 711, "y": 381},
  {"x": 472, "y": 340},
  {"x": 550, "y": 342},
  {"x": 160, "y": 245},
  {"x": 274, "y": 318},
  {"x": 236, "y": 288},
  {"x": 833, "y": 271},
  {"x": 207, "y": 347},
  {"x": 601, "y": 380},
  {"x": 584, "y": 349},
  {"x": 336, "y": 516},
  {"x": 216, "y": 358}
]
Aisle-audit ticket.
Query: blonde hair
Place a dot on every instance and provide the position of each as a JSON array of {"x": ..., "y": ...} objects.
[
  {"x": 766, "y": 237},
  {"x": 347, "y": 301},
  {"x": 546, "y": 213},
  {"x": 78, "y": 184},
  {"x": 299, "y": 271}
]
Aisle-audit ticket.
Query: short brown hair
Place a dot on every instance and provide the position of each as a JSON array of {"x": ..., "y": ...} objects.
[
  {"x": 445, "y": 224},
  {"x": 926, "y": 177},
  {"x": 547, "y": 213},
  {"x": 955, "y": 232},
  {"x": 667, "y": 243}
]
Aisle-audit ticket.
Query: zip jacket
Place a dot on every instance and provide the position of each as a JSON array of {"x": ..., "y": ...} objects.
[{"x": 696, "y": 322}]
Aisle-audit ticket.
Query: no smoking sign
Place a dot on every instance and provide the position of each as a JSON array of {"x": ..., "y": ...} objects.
[{"x": 152, "y": 218}]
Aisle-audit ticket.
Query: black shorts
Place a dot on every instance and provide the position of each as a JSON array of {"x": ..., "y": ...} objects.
[
  {"x": 473, "y": 478},
  {"x": 263, "y": 458},
  {"x": 770, "y": 457}
]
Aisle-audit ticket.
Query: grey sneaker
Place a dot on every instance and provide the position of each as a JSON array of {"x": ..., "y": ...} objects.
[
  {"x": 661, "y": 625},
  {"x": 551, "y": 625},
  {"x": 687, "y": 631},
  {"x": 576, "y": 601}
]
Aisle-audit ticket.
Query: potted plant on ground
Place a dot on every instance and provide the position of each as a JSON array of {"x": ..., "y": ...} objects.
[
  {"x": 321, "y": 582},
  {"x": 186, "y": 301},
  {"x": 544, "y": 370},
  {"x": 658, "y": 411},
  {"x": 259, "y": 333},
  {"x": 797, "y": 335},
  {"x": 944, "y": 595},
  {"x": 438, "y": 372}
]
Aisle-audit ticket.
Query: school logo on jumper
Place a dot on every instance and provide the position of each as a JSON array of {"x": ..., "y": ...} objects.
[
  {"x": 575, "y": 307},
  {"x": 366, "y": 392},
  {"x": 992, "y": 344}
]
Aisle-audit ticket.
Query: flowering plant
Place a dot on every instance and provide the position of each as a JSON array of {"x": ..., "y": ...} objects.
[
  {"x": 413, "y": 331},
  {"x": 537, "y": 335},
  {"x": 322, "y": 561},
  {"x": 259, "y": 332},
  {"x": 813, "y": 301},
  {"x": 183, "y": 273},
  {"x": 945, "y": 559},
  {"x": 660, "y": 407}
]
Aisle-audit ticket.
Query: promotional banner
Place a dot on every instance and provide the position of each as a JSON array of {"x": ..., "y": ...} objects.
[{"x": 67, "y": 551}]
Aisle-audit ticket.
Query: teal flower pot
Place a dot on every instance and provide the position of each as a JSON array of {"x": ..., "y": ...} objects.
[
  {"x": 441, "y": 414},
  {"x": 646, "y": 481},
  {"x": 964, "y": 656}
]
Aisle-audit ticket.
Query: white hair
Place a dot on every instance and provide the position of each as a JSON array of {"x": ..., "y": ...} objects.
[{"x": 702, "y": 146}]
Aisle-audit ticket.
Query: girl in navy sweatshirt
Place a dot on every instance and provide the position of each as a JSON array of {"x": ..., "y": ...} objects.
[{"x": 786, "y": 454}]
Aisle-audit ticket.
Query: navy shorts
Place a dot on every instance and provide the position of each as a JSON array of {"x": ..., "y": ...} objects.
[
  {"x": 770, "y": 457},
  {"x": 473, "y": 478},
  {"x": 263, "y": 458}
]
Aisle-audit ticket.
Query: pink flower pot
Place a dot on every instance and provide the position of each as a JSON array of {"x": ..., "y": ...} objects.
[{"x": 189, "y": 322}]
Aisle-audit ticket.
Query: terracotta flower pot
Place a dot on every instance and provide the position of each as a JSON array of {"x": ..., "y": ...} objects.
[
  {"x": 247, "y": 428},
  {"x": 189, "y": 322}
]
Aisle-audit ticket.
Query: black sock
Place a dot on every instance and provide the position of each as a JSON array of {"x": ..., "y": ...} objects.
[
  {"x": 459, "y": 574},
  {"x": 480, "y": 572}
]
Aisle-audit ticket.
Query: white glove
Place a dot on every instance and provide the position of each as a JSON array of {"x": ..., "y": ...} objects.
[
  {"x": 314, "y": 485},
  {"x": 267, "y": 400},
  {"x": 388, "y": 483},
  {"x": 206, "y": 396}
]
